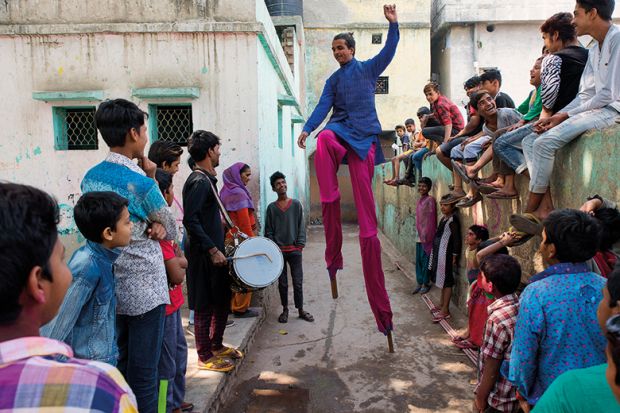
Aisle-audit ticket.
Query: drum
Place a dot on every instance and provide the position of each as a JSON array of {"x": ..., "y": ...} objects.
[{"x": 255, "y": 263}]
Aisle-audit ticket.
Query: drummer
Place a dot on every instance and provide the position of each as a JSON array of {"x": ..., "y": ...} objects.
[{"x": 284, "y": 225}]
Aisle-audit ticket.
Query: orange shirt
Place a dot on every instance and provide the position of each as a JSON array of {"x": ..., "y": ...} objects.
[{"x": 244, "y": 219}]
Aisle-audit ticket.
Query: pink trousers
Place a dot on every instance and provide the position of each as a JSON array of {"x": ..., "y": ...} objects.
[{"x": 329, "y": 154}]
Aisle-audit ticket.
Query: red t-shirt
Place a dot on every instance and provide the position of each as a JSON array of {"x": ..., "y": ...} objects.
[{"x": 176, "y": 293}]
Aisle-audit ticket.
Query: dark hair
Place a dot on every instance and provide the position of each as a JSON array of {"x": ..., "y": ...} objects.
[
  {"x": 488, "y": 243},
  {"x": 613, "y": 286},
  {"x": 609, "y": 220},
  {"x": 200, "y": 143},
  {"x": 613, "y": 338},
  {"x": 423, "y": 110},
  {"x": 275, "y": 176},
  {"x": 503, "y": 271},
  {"x": 29, "y": 219},
  {"x": 491, "y": 75},
  {"x": 562, "y": 23},
  {"x": 96, "y": 211},
  {"x": 162, "y": 152},
  {"x": 575, "y": 234},
  {"x": 116, "y": 118},
  {"x": 482, "y": 233},
  {"x": 426, "y": 180},
  {"x": 399, "y": 127},
  {"x": 348, "y": 39},
  {"x": 244, "y": 168},
  {"x": 604, "y": 8},
  {"x": 432, "y": 86},
  {"x": 471, "y": 82},
  {"x": 164, "y": 180},
  {"x": 409, "y": 121},
  {"x": 191, "y": 163},
  {"x": 476, "y": 96},
  {"x": 447, "y": 197}
]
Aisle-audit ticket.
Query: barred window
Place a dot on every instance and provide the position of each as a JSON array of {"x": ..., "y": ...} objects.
[
  {"x": 74, "y": 128},
  {"x": 377, "y": 38},
  {"x": 383, "y": 85},
  {"x": 172, "y": 123}
]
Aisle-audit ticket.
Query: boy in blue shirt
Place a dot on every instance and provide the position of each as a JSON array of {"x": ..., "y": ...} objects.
[{"x": 86, "y": 319}]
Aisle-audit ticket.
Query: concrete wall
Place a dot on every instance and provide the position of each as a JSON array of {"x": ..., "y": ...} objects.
[{"x": 583, "y": 168}]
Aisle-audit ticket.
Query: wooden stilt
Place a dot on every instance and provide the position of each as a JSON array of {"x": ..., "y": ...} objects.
[
  {"x": 390, "y": 342},
  {"x": 334, "y": 284}
]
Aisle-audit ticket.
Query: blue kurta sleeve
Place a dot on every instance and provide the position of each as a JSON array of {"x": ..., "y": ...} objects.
[
  {"x": 385, "y": 56},
  {"x": 322, "y": 108}
]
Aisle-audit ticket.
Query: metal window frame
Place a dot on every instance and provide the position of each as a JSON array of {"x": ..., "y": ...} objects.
[
  {"x": 59, "y": 118},
  {"x": 386, "y": 79},
  {"x": 152, "y": 123}
]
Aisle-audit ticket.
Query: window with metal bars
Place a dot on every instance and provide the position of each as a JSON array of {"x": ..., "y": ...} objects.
[
  {"x": 172, "y": 123},
  {"x": 383, "y": 85},
  {"x": 74, "y": 128}
]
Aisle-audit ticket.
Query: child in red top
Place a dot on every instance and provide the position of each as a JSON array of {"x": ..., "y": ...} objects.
[{"x": 173, "y": 360}]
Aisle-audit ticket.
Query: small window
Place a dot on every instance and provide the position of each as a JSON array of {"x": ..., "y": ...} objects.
[
  {"x": 74, "y": 128},
  {"x": 377, "y": 38},
  {"x": 172, "y": 123},
  {"x": 383, "y": 85}
]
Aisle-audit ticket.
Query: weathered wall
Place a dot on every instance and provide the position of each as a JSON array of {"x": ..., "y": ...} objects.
[{"x": 583, "y": 168}]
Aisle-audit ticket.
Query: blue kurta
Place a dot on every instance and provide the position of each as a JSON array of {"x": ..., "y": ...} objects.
[{"x": 350, "y": 92}]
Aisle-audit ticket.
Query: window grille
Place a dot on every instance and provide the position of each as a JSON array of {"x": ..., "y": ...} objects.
[
  {"x": 383, "y": 85},
  {"x": 75, "y": 129},
  {"x": 172, "y": 123},
  {"x": 377, "y": 38}
]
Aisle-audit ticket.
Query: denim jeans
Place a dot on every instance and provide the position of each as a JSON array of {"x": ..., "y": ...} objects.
[
  {"x": 471, "y": 151},
  {"x": 139, "y": 343},
  {"x": 294, "y": 261},
  {"x": 508, "y": 147},
  {"x": 172, "y": 364},
  {"x": 540, "y": 150},
  {"x": 417, "y": 159}
]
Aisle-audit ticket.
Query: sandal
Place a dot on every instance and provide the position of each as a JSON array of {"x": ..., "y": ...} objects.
[
  {"x": 459, "y": 168},
  {"x": 216, "y": 363},
  {"x": 441, "y": 316},
  {"x": 459, "y": 338},
  {"x": 528, "y": 223},
  {"x": 502, "y": 195},
  {"x": 435, "y": 311},
  {"x": 283, "y": 317},
  {"x": 469, "y": 201},
  {"x": 304, "y": 315},
  {"x": 187, "y": 407},
  {"x": 466, "y": 344},
  {"x": 231, "y": 352}
]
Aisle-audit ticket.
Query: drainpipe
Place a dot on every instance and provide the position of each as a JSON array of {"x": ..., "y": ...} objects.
[{"x": 474, "y": 42}]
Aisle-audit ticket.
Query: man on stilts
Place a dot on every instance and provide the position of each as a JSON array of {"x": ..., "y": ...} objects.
[{"x": 351, "y": 136}]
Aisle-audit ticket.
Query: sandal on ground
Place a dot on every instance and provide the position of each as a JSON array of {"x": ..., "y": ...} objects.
[
  {"x": 465, "y": 344},
  {"x": 435, "y": 311},
  {"x": 441, "y": 316},
  {"x": 216, "y": 363},
  {"x": 502, "y": 195},
  {"x": 231, "y": 352},
  {"x": 528, "y": 223},
  {"x": 283, "y": 317},
  {"x": 304, "y": 315},
  {"x": 187, "y": 407}
]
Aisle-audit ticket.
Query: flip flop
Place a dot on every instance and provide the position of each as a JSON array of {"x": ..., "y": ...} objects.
[
  {"x": 441, "y": 316},
  {"x": 460, "y": 169},
  {"x": 215, "y": 363},
  {"x": 304, "y": 315},
  {"x": 187, "y": 407},
  {"x": 283, "y": 317},
  {"x": 528, "y": 223},
  {"x": 501, "y": 195},
  {"x": 459, "y": 338},
  {"x": 465, "y": 344},
  {"x": 231, "y": 352},
  {"x": 487, "y": 189}
]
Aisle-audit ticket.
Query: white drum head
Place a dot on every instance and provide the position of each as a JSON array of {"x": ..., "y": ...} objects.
[{"x": 260, "y": 270}]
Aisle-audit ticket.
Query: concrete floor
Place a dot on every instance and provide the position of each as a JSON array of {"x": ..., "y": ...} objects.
[{"x": 340, "y": 362}]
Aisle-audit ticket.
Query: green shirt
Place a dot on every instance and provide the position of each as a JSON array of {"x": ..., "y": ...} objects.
[
  {"x": 531, "y": 110},
  {"x": 581, "y": 390}
]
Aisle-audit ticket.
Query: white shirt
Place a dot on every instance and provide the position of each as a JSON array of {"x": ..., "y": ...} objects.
[{"x": 600, "y": 81}]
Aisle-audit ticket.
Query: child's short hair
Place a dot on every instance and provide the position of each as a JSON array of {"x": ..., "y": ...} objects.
[
  {"x": 115, "y": 118},
  {"x": 476, "y": 97},
  {"x": 491, "y": 75},
  {"x": 503, "y": 271},
  {"x": 481, "y": 232},
  {"x": 574, "y": 233},
  {"x": 164, "y": 180},
  {"x": 162, "y": 152},
  {"x": 448, "y": 200},
  {"x": 471, "y": 82},
  {"x": 397, "y": 127},
  {"x": 29, "y": 218},
  {"x": 199, "y": 144},
  {"x": 275, "y": 176},
  {"x": 490, "y": 242},
  {"x": 427, "y": 181},
  {"x": 96, "y": 211},
  {"x": 432, "y": 86},
  {"x": 423, "y": 110},
  {"x": 609, "y": 218},
  {"x": 410, "y": 121}
]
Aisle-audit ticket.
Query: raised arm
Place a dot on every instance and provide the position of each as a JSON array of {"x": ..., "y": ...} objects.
[{"x": 381, "y": 61}]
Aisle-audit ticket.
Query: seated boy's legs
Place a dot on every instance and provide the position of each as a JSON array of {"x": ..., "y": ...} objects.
[
  {"x": 545, "y": 146},
  {"x": 443, "y": 151},
  {"x": 434, "y": 133},
  {"x": 457, "y": 154},
  {"x": 509, "y": 148},
  {"x": 417, "y": 158}
]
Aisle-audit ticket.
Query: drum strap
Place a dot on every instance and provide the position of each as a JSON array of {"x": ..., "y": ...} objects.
[{"x": 227, "y": 218}]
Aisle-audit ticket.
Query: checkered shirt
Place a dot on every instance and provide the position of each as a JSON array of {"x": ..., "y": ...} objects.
[
  {"x": 447, "y": 113},
  {"x": 497, "y": 343},
  {"x": 38, "y": 374}
]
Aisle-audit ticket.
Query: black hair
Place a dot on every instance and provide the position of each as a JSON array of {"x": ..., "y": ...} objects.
[
  {"x": 427, "y": 181},
  {"x": 116, "y": 118},
  {"x": 348, "y": 39},
  {"x": 476, "y": 96},
  {"x": 199, "y": 144},
  {"x": 575, "y": 234},
  {"x": 432, "y": 86},
  {"x": 491, "y": 75},
  {"x": 164, "y": 180},
  {"x": 244, "y": 168},
  {"x": 471, "y": 82},
  {"x": 275, "y": 176},
  {"x": 613, "y": 338},
  {"x": 613, "y": 286},
  {"x": 482, "y": 233},
  {"x": 562, "y": 23},
  {"x": 604, "y": 8},
  {"x": 503, "y": 271},
  {"x": 96, "y": 211},
  {"x": 609, "y": 220},
  {"x": 29, "y": 219},
  {"x": 399, "y": 127},
  {"x": 409, "y": 121},
  {"x": 423, "y": 110},
  {"x": 162, "y": 152},
  {"x": 488, "y": 243},
  {"x": 191, "y": 163}
]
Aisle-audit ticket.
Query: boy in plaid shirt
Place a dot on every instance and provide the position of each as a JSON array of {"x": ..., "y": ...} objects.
[{"x": 501, "y": 275}]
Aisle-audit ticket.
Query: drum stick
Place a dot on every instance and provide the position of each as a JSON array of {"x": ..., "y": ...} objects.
[
  {"x": 390, "y": 342},
  {"x": 334, "y": 284},
  {"x": 258, "y": 254}
]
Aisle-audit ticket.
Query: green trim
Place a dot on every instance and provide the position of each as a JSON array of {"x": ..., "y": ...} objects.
[
  {"x": 84, "y": 95},
  {"x": 166, "y": 93},
  {"x": 59, "y": 114},
  {"x": 163, "y": 396},
  {"x": 293, "y": 140},
  {"x": 280, "y": 129},
  {"x": 287, "y": 100},
  {"x": 297, "y": 119},
  {"x": 153, "y": 123}
]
